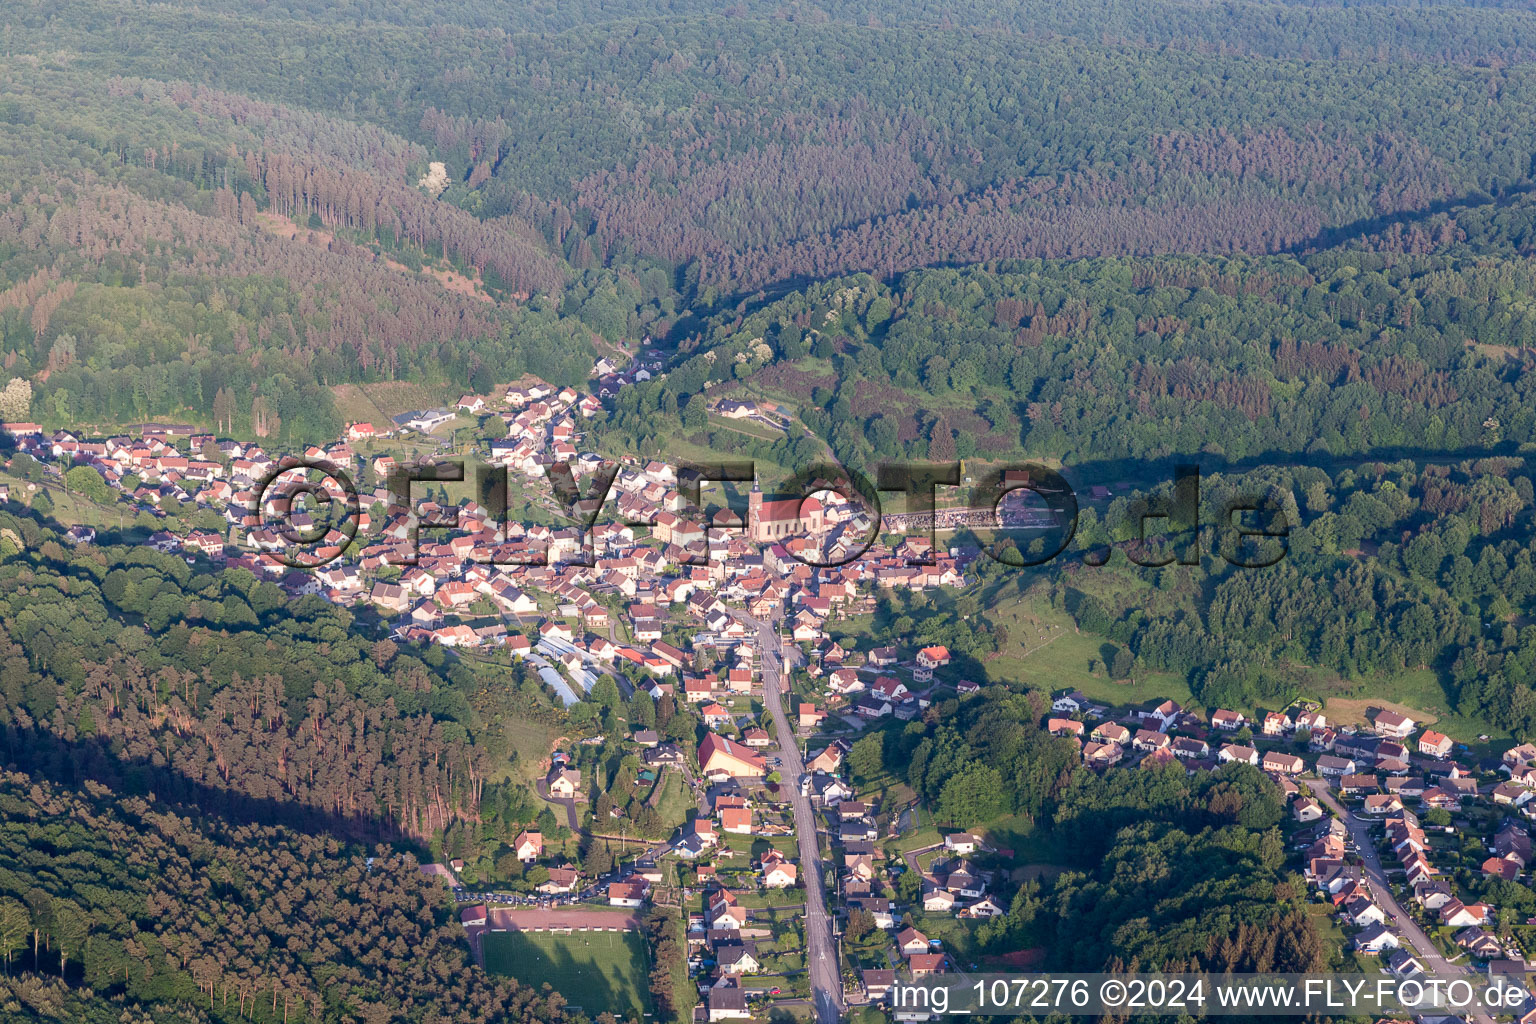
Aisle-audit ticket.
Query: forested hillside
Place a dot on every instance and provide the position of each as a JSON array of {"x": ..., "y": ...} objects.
[
  {"x": 207, "y": 919},
  {"x": 169, "y": 251},
  {"x": 1209, "y": 844},
  {"x": 132, "y": 668},
  {"x": 241, "y": 180},
  {"x": 1344, "y": 353}
]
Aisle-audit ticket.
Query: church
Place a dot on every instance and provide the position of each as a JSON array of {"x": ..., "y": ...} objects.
[{"x": 771, "y": 521}]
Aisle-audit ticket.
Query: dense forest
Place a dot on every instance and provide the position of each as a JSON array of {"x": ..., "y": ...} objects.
[
  {"x": 131, "y": 668},
  {"x": 1110, "y": 363},
  {"x": 751, "y": 147},
  {"x": 241, "y": 181},
  {"x": 210, "y": 919}
]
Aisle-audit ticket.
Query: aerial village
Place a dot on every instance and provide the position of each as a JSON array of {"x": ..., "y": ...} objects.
[
  {"x": 1398, "y": 828},
  {"x": 1402, "y": 831},
  {"x": 654, "y": 604}
]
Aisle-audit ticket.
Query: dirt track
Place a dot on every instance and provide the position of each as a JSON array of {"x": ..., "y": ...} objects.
[{"x": 513, "y": 920}]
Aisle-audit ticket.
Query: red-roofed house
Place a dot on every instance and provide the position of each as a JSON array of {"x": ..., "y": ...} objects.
[
  {"x": 1435, "y": 744},
  {"x": 720, "y": 756},
  {"x": 626, "y": 894}
]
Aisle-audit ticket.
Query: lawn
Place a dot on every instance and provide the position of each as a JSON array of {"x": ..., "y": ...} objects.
[
  {"x": 1335, "y": 942},
  {"x": 597, "y": 971},
  {"x": 1031, "y": 842},
  {"x": 387, "y": 398},
  {"x": 916, "y": 840},
  {"x": 756, "y": 846},
  {"x": 751, "y": 428},
  {"x": 1045, "y": 651},
  {"x": 957, "y": 934}
]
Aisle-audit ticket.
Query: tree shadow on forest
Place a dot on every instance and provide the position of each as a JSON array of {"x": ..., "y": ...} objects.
[
  {"x": 72, "y": 763},
  {"x": 1327, "y": 238}
]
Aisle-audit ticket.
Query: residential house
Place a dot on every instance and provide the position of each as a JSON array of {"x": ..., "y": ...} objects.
[
  {"x": 1285, "y": 764},
  {"x": 1110, "y": 732},
  {"x": 1236, "y": 753},
  {"x": 1306, "y": 809},
  {"x": 778, "y": 873},
  {"x": 1435, "y": 744},
  {"x": 1359, "y": 784},
  {"x": 1102, "y": 755},
  {"x": 911, "y": 942},
  {"x": 1165, "y": 714},
  {"x": 528, "y": 846},
  {"x": 923, "y": 965},
  {"x": 1382, "y": 804},
  {"x": 1477, "y": 941},
  {"x": 1190, "y": 748},
  {"x": 1455, "y": 914},
  {"x": 1331, "y": 766},
  {"x": 1361, "y": 911},
  {"x": 963, "y": 843},
  {"x": 1511, "y": 794},
  {"x": 877, "y": 983},
  {"x": 1392, "y": 724},
  {"x": 728, "y": 1003},
  {"x": 626, "y": 894},
  {"x": 737, "y": 958},
  {"x": 939, "y": 900},
  {"x": 719, "y": 756},
  {"x": 1376, "y": 939},
  {"x": 563, "y": 782},
  {"x": 1499, "y": 867}
]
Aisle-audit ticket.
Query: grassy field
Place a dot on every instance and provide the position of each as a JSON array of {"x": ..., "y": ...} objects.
[
  {"x": 531, "y": 741},
  {"x": 71, "y": 508},
  {"x": 384, "y": 399},
  {"x": 1416, "y": 692},
  {"x": 675, "y": 800},
  {"x": 751, "y": 428},
  {"x": 1335, "y": 942},
  {"x": 353, "y": 405},
  {"x": 1046, "y": 651},
  {"x": 1060, "y": 660},
  {"x": 597, "y": 971},
  {"x": 1031, "y": 842}
]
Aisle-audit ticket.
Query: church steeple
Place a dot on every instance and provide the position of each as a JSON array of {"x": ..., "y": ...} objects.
[{"x": 755, "y": 506}]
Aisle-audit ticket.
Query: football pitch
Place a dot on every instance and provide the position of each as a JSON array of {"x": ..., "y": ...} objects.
[{"x": 594, "y": 970}]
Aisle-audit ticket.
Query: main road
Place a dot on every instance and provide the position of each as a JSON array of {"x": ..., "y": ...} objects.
[
  {"x": 1422, "y": 947},
  {"x": 821, "y": 950}
]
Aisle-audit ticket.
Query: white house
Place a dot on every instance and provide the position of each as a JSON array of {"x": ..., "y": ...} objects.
[
  {"x": 1237, "y": 753},
  {"x": 962, "y": 842}
]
